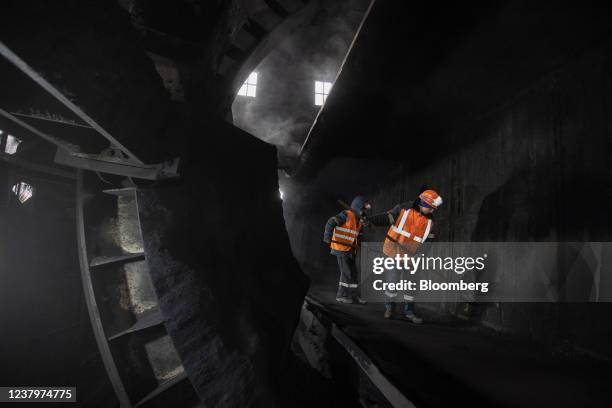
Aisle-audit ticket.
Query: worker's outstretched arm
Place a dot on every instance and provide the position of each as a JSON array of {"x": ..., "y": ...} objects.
[
  {"x": 388, "y": 217},
  {"x": 332, "y": 223}
]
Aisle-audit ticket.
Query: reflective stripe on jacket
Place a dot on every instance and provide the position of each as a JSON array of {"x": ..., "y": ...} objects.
[
  {"x": 344, "y": 237},
  {"x": 410, "y": 229}
]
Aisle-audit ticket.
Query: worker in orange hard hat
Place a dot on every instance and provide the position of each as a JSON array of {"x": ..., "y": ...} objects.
[
  {"x": 411, "y": 225},
  {"x": 342, "y": 233}
]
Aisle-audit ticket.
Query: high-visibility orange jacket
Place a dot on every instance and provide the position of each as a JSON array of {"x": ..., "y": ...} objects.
[
  {"x": 344, "y": 237},
  {"x": 409, "y": 230}
]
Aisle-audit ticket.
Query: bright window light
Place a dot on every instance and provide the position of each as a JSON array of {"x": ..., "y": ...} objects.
[
  {"x": 23, "y": 191},
  {"x": 11, "y": 144},
  {"x": 321, "y": 91},
  {"x": 249, "y": 88}
]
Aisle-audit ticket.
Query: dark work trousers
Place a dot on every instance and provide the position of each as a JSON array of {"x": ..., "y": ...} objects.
[
  {"x": 392, "y": 298},
  {"x": 347, "y": 285}
]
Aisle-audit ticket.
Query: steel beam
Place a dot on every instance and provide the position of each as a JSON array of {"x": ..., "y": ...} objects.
[
  {"x": 163, "y": 386},
  {"x": 40, "y": 168},
  {"x": 112, "y": 165},
  {"x": 51, "y": 119},
  {"x": 36, "y": 77},
  {"x": 107, "y": 260},
  {"x": 150, "y": 319},
  {"x": 61, "y": 144}
]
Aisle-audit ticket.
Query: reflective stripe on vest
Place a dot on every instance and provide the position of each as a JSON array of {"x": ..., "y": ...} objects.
[
  {"x": 405, "y": 235},
  {"x": 345, "y": 235}
]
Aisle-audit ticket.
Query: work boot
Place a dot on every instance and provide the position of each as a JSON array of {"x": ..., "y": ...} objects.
[
  {"x": 359, "y": 300},
  {"x": 413, "y": 318},
  {"x": 388, "y": 314},
  {"x": 344, "y": 300}
]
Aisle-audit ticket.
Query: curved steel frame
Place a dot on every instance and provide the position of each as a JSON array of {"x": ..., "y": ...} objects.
[{"x": 90, "y": 300}]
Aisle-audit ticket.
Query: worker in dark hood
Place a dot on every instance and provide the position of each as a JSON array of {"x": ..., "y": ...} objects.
[
  {"x": 342, "y": 233},
  {"x": 410, "y": 225}
]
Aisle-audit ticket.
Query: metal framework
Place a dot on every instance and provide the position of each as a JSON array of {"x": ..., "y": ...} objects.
[
  {"x": 146, "y": 321},
  {"x": 69, "y": 154},
  {"x": 117, "y": 159},
  {"x": 393, "y": 395},
  {"x": 90, "y": 299},
  {"x": 53, "y": 119}
]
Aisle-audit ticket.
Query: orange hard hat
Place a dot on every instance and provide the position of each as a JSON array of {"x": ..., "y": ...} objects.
[{"x": 431, "y": 198}]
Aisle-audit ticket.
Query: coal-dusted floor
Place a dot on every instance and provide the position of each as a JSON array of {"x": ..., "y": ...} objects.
[{"x": 452, "y": 362}]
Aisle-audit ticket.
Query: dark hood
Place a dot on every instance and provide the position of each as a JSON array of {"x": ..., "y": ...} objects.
[{"x": 357, "y": 203}]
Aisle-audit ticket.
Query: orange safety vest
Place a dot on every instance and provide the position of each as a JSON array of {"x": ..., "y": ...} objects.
[
  {"x": 344, "y": 237},
  {"x": 408, "y": 232}
]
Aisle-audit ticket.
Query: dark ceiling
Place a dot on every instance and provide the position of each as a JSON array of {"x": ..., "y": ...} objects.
[{"x": 419, "y": 71}]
